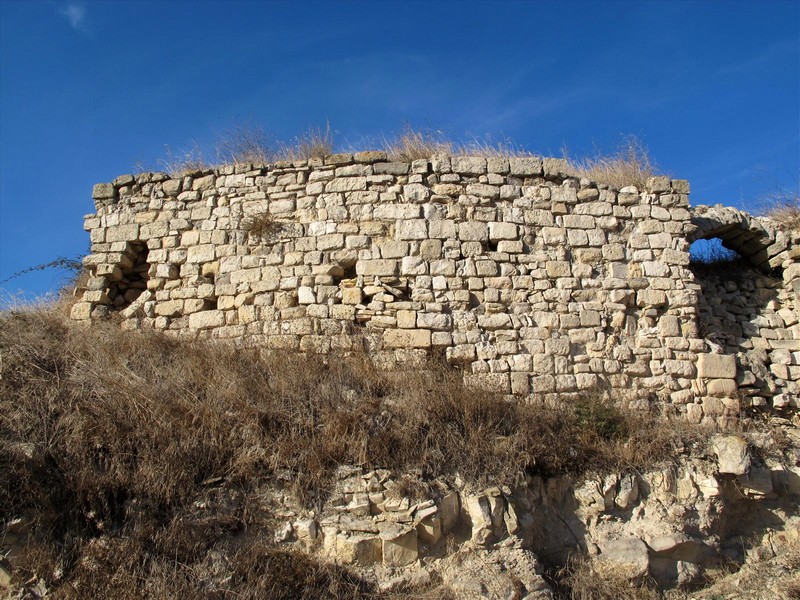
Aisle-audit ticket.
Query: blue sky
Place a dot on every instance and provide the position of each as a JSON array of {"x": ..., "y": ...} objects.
[{"x": 90, "y": 90}]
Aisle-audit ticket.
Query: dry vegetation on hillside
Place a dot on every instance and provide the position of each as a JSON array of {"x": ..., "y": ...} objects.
[{"x": 109, "y": 439}]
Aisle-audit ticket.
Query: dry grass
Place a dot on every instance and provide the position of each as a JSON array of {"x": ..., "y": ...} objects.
[
  {"x": 415, "y": 144},
  {"x": 185, "y": 161},
  {"x": 261, "y": 225},
  {"x": 629, "y": 165},
  {"x": 245, "y": 144},
  {"x": 582, "y": 579},
  {"x": 784, "y": 208},
  {"x": 112, "y": 437},
  {"x": 248, "y": 144},
  {"x": 412, "y": 144},
  {"x": 314, "y": 143}
]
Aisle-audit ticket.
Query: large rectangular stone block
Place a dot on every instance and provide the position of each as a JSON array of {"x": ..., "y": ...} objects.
[
  {"x": 407, "y": 338},
  {"x": 377, "y": 267},
  {"x": 717, "y": 366}
]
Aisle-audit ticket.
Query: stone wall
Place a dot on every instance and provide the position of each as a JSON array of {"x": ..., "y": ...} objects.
[{"x": 535, "y": 282}]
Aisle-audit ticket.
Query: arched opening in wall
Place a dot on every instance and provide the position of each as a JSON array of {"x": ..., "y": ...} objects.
[
  {"x": 133, "y": 276},
  {"x": 713, "y": 255},
  {"x": 735, "y": 294}
]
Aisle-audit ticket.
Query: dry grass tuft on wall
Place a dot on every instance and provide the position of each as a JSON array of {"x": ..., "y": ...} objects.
[
  {"x": 785, "y": 210},
  {"x": 629, "y": 165},
  {"x": 247, "y": 144}
]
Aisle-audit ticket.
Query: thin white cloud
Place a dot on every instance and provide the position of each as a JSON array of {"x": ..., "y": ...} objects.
[
  {"x": 766, "y": 59},
  {"x": 75, "y": 13}
]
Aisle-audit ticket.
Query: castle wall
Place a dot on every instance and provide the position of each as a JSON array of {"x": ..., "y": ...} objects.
[{"x": 533, "y": 281}]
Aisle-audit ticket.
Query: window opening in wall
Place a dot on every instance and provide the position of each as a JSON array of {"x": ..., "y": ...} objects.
[
  {"x": 135, "y": 270},
  {"x": 711, "y": 251}
]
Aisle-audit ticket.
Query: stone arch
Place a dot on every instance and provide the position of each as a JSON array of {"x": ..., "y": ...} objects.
[{"x": 757, "y": 239}]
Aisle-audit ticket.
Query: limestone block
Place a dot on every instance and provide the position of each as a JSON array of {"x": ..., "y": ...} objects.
[
  {"x": 721, "y": 388},
  {"x": 502, "y": 231},
  {"x": 399, "y": 545},
  {"x": 520, "y": 384},
  {"x": 429, "y": 529},
  {"x": 716, "y": 366},
  {"x": 555, "y": 167},
  {"x": 377, "y": 267},
  {"x": 447, "y": 189},
  {"x": 354, "y": 548},
  {"x": 435, "y": 321},
  {"x": 200, "y": 254},
  {"x": 393, "y": 249},
  {"x": 578, "y": 221},
  {"x": 412, "y": 229},
  {"x": 473, "y": 232},
  {"x": 306, "y": 295},
  {"x": 442, "y": 229},
  {"x": 495, "y": 321},
  {"x": 482, "y": 190},
  {"x": 449, "y": 511},
  {"x": 733, "y": 454},
  {"x": 122, "y": 233},
  {"x": 369, "y": 157},
  {"x": 669, "y": 326},
  {"x": 347, "y": 184},
  {"x": 103, "y": 191},
  {"x": 391, "y": 168},
  {"x": 480, "y": 514},
  {"x": 206, "y": 319},
  {"x": 525, "y": 166},
  {"x": 203, "y": 183},
  {"x": 413, "y": 265},
  {"x": 558, "y": 268},
  {"x": 694, "y": 413},
  {"x": 352, "y": 295},
  {"x": 627, "y": 493},
  {"x": 170, "y": 308},
  {"x": 628, "y": 553},
  {"x": 430, "y": 249},
  {"x": 81, "y": 311},
  {"x": 467, "y": 165},
  {"x": 407, "y": 338}
]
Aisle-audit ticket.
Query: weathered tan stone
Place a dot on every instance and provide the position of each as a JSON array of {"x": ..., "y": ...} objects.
[
  {"x": 716, "y": 366},
  {"x": 206, "y": 319},
  {"x": 733, "y": 454},
  {"x": 407, "y": 338},
  {"x": 399, "y": 545}
]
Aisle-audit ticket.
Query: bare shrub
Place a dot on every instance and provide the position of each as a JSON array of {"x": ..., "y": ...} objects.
[
  {"x": 415, "y": 144},
  {"x": 629, "y": 165},
  {"x": 261, "y": 225},
  {"x": 784, "y": 208},
  {"x": 314, "y": 143},
  {"x": 185, "y": 161},
  {"x": 245, "y": 144}
]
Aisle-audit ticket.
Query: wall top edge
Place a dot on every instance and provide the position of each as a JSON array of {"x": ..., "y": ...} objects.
[{"x": 548, "y": 169}]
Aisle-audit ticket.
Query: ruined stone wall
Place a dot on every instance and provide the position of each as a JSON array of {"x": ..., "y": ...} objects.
[
  {"x": 533, "y": 281},
  {"x": 746, "y": 314}
]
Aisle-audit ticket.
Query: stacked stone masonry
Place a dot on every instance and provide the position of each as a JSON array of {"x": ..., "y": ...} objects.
[{"x": 535, "y": 282}]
